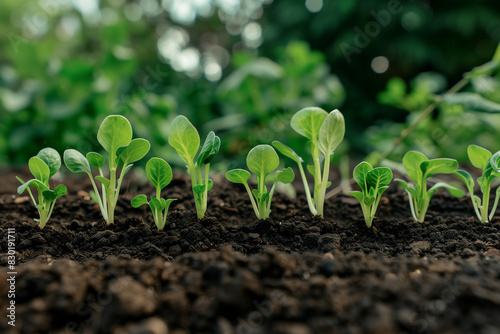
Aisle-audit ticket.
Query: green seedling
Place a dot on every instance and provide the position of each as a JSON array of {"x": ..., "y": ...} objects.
[
  {"x": 261, "y": 160},
  {"x": 483, "y": 159},
  {"x": 373, "y": 183},
  {"x": 325, "y": 132},
  {"x": 419, "y": 168},
  {"x": 115, "y": 136},
  {"x": 159, "y": 174},
  {"x": 43, "y": 166},
  {"x": 184, "y": 138}
]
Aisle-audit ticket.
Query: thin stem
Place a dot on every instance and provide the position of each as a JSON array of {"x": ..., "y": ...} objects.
[
  {"x": 310, "y": 201},
  {"x": 254, "y": 205},
  {"x": 270, "y": 199},
  {"x": 321, "y": 198},
  {"x": 485, "y": 204}
]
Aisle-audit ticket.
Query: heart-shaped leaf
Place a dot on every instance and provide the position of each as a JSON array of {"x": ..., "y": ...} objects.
[
  {"x": 39, "y": 169},
  {"x": 115, "y": 131},
  {"x": 159, "y": 172},
  {"x": 95, "y": 159},
  {"x": 262, "y": 160},
  {"x": 76, "y": 162},
  {"x": 184, "y": 138},
  {"x": 238, "y": 176},
  {"x": 51, "y": 158}
]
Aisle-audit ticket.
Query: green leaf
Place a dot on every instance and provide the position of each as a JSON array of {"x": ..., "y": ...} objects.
[
  {"x": 467, "y": 179},
  {"x": 438, "y": 166},
  {"x": 452, "y": 190},
  {"x": 358, "y": 195},
  {"x": 39, "y": 169},
  {"x": 49, "y": 195},
  {"x": 95, "y": 159},
  {"x": 379, "y": 177},
  {"x": 51, "y": 158},
  {"x": 256, "y": 194},
  {"x": 139, "y": 200},
  {"x": 209, "y": 150},
  {"x": 127, "y": 168},
  {"x": 478, "y": 156},
  {"x": 34, "y": 182},
  {"x": 285, "y": 176},
  {"x": 359, "y": 174},
  {"x": 307, "y": 122},
  {"x": 76, "y": 162},
  {"x": 382, "y": 189},
  {"x": 167, "y": 204},
  {"x": 115, "y": 131},
  {"x": 157, "y": 203},
  {"x": 287, "y": 151},
  {"x": 159, "y": 172},
  {"x": 210, "y": 184},
  {"x": 134, "y": 151},
  {"x": 369, "y": 200},
  {"x": 407, "y": 187},
  {"x": 184, "y": 139},
  {"x": 411, "y": 162},
  {"x": 331, "y": 132},
  {"x": 199, "y": 189},
  {"x": 311, "y": 169},
  {"x": 93, "y": 195},
  {"x": 494, "y": 162},
  {"x": 262, "y": 160},
  {"x": 103, "y": 180},
  {"x": 472, "y": 102},
  {"x": 60, "y": 190},
  {"x": 238, "y": 176}
]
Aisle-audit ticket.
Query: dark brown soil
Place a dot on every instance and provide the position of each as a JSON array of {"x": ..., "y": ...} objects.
[{"x": 231, "y": 273}]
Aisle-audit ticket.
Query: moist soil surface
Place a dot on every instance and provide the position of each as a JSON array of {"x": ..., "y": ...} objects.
[{"x": 231, "y": 273}]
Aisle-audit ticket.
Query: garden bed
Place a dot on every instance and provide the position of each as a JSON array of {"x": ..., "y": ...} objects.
[{"x": 231, "y": 273}]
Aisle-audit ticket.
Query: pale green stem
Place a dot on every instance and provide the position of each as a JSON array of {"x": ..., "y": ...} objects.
[
  {"x": 321, "y": 198},
  {"x": 485, "y": 205},
  {"x": 310, "y": 201},
  {"x": 250, "y": 194},
  {"x": 270, "y": 199}
]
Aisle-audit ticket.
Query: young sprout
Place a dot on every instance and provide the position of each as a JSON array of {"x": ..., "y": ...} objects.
[
  {"x": 419, "y": 168},
  {"x": 482, "y": 158},
  {"x": 373, "y": 183},
  {"x": 184, "y": 138},
  {"x": 115, "y": 136},
  {"x": 43, "y": 166},
  {"x": 261, "y": 160},
  {"x": 159, "y": 174},
  {"x": 325, "y": 132}
]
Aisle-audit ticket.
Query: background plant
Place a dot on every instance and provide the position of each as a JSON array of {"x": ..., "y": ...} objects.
[
  {"x": 373, "y": 183},
  {"x": 159, "y": 173},
  {"x": 184, "y": 138},
  {"x": 325, "y": 132},
  {"x": 43, "y": 166},
  {"x": 483, "y": 159},
  {"x": 419, "y": 168},
  {"x": 115, "y": 136},
  {"x": 262, "y": 160}
]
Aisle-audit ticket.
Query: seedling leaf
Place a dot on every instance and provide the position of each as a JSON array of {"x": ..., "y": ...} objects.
[
  {"x": 184, "y": 138},
  {"x": 39, "y": 169},
  {"x": 115, "y": 131},
  {"x": 51, "y": 158},
  {"x": 158, "y": 172},
  {"x": 76, "y": 162},
  {"x": 262, "y": 160}
]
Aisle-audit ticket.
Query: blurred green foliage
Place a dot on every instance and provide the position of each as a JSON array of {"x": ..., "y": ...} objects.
[{"x": 242, "y": 70}]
